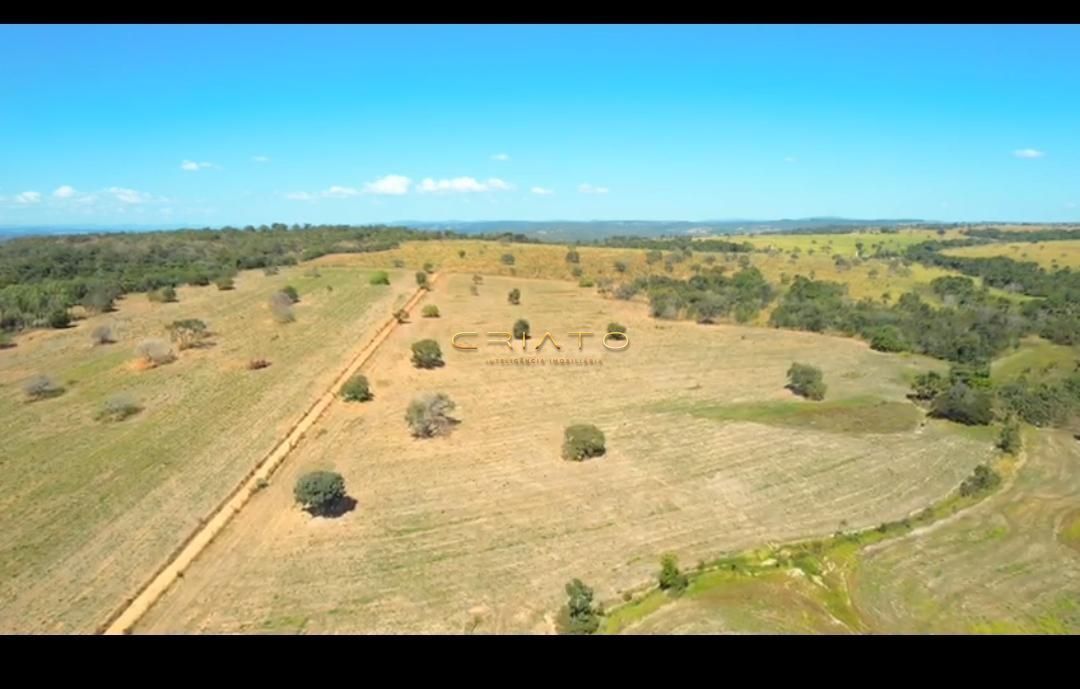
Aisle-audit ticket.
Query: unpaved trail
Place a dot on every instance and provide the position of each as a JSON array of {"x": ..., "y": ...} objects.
[{"x": 125, "y": 619}]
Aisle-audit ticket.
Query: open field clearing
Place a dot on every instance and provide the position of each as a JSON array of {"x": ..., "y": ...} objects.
[
  {"x": 846, "y": 244},
  {"x": 1051, "y": 255},
  {"x": 480, "y": 530},
  {"x": 93, "y": 508},
  {"x": 873, "y": 278},
  {"x": 1006, "y": 566},
  {"x": 1036, "y": 359}
]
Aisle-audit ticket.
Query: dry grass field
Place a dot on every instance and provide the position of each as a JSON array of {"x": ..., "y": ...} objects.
[
  {"x": 91, "y": 509},
  {"x": 1005, "y": 566},
  {"x": 1050, "y": 255},
  {"x": 872, "y": 278},
  {"x": 846, "y": 244},
  {"x": 480, "y": 530}
]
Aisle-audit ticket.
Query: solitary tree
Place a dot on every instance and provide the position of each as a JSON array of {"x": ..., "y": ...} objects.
[
  {"x": 40, "y": 387},
  {"x": 430, "y": 311},
  {"x": 421, "y": 279},
  {"x": 155, "y": 352},
  {"x": 670, "y": 578},
  {"x": 291, "y": 292},
  {"x": 319, "y": 492},
  {"x": 1009, "y": 440},
  {"x": 356, "y": 389},
  {"x": 965, "y": 405},
  {"x": 582, "y": 441},
  {"x": 426, "y": 354},
  {"x": 187, "y": 333},
  {"x": 117, "y": 408},
  {"x": 579, "y": 615},
  {"x": 429, "y": 415},
  {"x": 521, "y": 329},
  {"x": 806, "y": 381},
  {"x": 379, "y": 277},
  {"x": 429, "y": 268},
  {"x": 515, "y": 296},
  {"x": 618, "y": 331},
  {"x": 101, "y": 334},
  {"x": 620, "y": 266}
]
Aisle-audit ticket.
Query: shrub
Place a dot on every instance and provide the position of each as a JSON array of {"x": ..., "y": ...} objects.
[
  {"x": 618, "y": 329},
  {"x": 155, "y": 352},
  {"x": 357, "y": 389},
  {"x": 164, "y": 295},
  {"x": 887, "y": 338},
  {"x": 982, "y": 479},
  {"x": 225, "y": 283},
  {"x": 59, "y": 318},
  {"x": 474, "y": 290},
  {"x": 430, "y": 311},
  {"x": 380, "y": 277},
  {"x": 964, "y": 404},
  {"x": 313, "y": 272},
  {"x": 625, "y": 291},
  {"x": 199, "y": 279},
  {"x": 256, "y": 364},
  {"x": 477, "y": 279},
  {"x": 101, "y": 335},
  {"x": 582, "y": 441},
  {"x": 670, "y": 578},
  {"x": 928, "y": 385},
  {"x": 573, "y": 256},
  {"x": 187, "y": 333},
  {"x": 426, "y": 354},
  {"x": 655, "y": 256},
  {"x": 40, "y": 387},
  {"x": 620, "y": 266},
  {"x": 429, "y": 415},
  {"x": 806, "y": 381},
  {"x": 521, "y": 329},
  {"x": 576, "y": 271},
  {"x": 401, "y": 316},
  {"x": 398, "y": 263},
  {"x": 281, "y": 307},
  {"x": 579, "y": 615},
  {"x": 1009, "y": 440},
  {"x": 429, "y": 268},
  {"x": 514, "y": 297},
  {"x": 507, "y": 259},
  {"x": 421, "y": 279},
  {"x": 118, "y": 408},
  {"x": 586, "y": 282},
  {"x": 5, "y": 340},
  {"x": 291, "y": 293},
  {"x": 99, "y": 299},
  {"x": 270, "y": 270},
  {"x": 319, "y": 492}
]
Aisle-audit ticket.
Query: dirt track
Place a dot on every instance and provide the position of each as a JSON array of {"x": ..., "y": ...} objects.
[{"x": 129, "y": 615}]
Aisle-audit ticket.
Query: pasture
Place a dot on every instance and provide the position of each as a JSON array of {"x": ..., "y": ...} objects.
[
  {"x": 91, "y": 508},
  {"x": 1051, "y": 255},
  {"x": 479, "y": 531}
]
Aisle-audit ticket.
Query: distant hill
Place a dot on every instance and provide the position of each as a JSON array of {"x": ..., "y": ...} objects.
[{"x": 568, "y": 230}]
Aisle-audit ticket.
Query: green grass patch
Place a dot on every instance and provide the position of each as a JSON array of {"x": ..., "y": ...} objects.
[
  {"x": 1036, "y": 359},
  {"x": 854, "y": 415},
  {"x": 1070, "y": 530}
]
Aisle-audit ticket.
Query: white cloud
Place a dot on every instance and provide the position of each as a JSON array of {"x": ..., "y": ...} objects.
[
  {"x": 64, "y": 192},
  {"x": 501, "y": 157},
  {"x": 541, "y": 191},
  {"x": 392, "y": 185},
  {"x": 192, "y": 166},
  {"x": 462, "y": 184},
  {"x": 587, "y": 188},
  {"x": 337, "y": 192},
  {"x": 28, "y": 197},
  {"x": 1028, "y": 153},
  {"x": 261, "y": 159},
  {"x": 130, "y": 196}
]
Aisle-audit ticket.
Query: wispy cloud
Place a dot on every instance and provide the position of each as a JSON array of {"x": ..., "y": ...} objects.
[
  {"x": 337, "y": 192},
  {"x": 130, "y": 196},
  {"x": 502, "y": 157},
  {"x": 542, "y": 191},
  {"x": 1029, "y": 153},
  {"x": 587, "y": 188},
  {"x": 462, "y": 184},
  {"x": 28, "y": 197},
  {"x": 389, "y": 185},
  {"x": 260, "y": 159},
  {"x": 192, "y": 166},
  {"x": 65, "y": 192},
  {"x": 300, "y": 196}
]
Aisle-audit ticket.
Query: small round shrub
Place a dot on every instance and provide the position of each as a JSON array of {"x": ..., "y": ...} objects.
[
  {"x": 429, "y": 415},
  {"x": 101, "y": 335},
  {"x": 225, "y": 283},
  {"x": 521, "y": 329},
  {"x": 426, "y": 354},
  {"x": 291, "y": 292},
  {"x": 118, "y": 408},
  {"x": 155, "y": 352},
  {"x": 319, "y": 491},
  {"x": 430, "y": 311},
  {"x": 514, "y": 297},
  {"x": 380, "y": 277},
  {"x": 583, "y": 441},
  {"x": 356, "y": 389},
  {"x": 40, "y": 387}
]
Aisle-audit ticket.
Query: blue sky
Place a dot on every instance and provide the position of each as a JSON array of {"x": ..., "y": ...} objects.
[{"x": 214, "y": 125}]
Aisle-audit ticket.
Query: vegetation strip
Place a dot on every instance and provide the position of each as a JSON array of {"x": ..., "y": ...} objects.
[{"x": 125, "y": 619}]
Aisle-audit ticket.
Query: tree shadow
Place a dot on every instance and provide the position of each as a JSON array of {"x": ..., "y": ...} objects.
[{"x": 338, "y": 508}]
